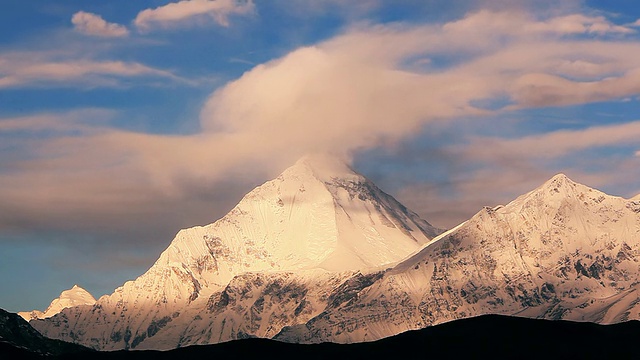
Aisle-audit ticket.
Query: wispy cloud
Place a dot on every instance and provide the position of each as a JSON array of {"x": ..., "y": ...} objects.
[
  {"x": 520, "y": 23},
  {"x": 307, "y": 9},
  {"x": 70, "y": 121},
  {"x": 45, "y": 69},
  {"x": 552, "y": 144},
  {"x": 188, "y": 11},
  {"x": 492, "y": 171},
  {"x": 94, "y": 25}
]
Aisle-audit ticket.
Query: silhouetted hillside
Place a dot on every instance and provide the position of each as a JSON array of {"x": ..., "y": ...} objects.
[
  {"x": 494, "y": 336},
  {"x": 21, "y": 341}
]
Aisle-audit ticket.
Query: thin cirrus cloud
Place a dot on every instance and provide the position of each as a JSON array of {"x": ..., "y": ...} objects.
[
  {"x": 20, "y": 69},
  {"x": 94, "y": 25},
  {"x": 486, "y": 21},
  {"x": 68, "y": 122},
  {"x": 190, "y": 11},
  {"x": 357, "y": 91},
  {"x": 500, "y": 169},
  {"x": 554, "y": 144}
]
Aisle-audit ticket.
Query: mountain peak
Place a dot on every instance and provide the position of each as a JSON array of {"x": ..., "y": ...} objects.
[
  {"x": 318, "y": 218},
  {"x": 560, "y": 192},
  {"x": 68, "y": 298},
  {"x": 558, "y": 187},
  {"x": 323, "y": 167},
  {"x": 559, "y": 180},
  {"x": 77, "y": 292},
  {"x": 560, "y": 176}
]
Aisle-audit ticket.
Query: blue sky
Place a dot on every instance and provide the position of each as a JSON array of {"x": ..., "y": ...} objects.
[{"x": 122, "y": 122}]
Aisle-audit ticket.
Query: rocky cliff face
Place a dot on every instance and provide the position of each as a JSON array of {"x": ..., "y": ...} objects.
[
  {"x": 562, "y": 251},
  {"x": 272, "y": 261}
]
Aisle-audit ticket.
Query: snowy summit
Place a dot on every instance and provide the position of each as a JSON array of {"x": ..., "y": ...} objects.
[
  {"x": 75, "y": 296},
  {"x": 318, "y": 218}
]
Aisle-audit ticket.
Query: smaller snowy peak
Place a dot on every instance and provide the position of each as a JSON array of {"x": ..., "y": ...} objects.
[
  {"x": 558, "y": 187},
  {"x": 636, "y": 198},
  {"x": 556, "y": 190},
  {"x": 558, "y": 194},
  {"x": 75, "y": 296}
]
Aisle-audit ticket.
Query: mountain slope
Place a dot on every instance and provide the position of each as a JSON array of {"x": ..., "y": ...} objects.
[
  {"x": 75, "y": 296},
  {"x": 562, "y": 251},
  {"x": 318, "y": 219}
]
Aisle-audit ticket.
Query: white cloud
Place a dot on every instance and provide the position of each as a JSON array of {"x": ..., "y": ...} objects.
[
  {"x": 188, "y": 11},
  {"x": 94, "y": 25},
  {"x": 354, "y": 92},
  {"x": 349, "y": 93}
]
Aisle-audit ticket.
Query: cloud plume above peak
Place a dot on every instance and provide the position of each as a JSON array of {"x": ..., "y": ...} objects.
[
  {"x": 376, "y": 84},
  {"x": 372, "y": 86}
]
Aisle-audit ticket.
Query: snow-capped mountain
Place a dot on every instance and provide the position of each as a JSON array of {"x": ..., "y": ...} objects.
[
  {"x": 562, "y": 251},
  {"x": 76, "y": 296},
  {"x": 321, "y": 254},
  {"x": 273, "y": 261}
]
